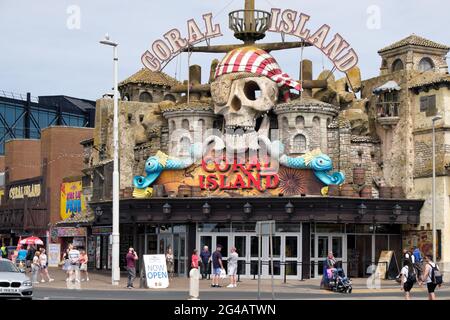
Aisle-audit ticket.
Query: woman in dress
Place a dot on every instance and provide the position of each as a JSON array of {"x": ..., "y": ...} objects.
[
  {"x": 35, "y": 267},
  {"x": 66, "y": 265}
]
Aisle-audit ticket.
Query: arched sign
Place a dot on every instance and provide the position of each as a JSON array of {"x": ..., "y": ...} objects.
[{"x": 289, "y": 22}]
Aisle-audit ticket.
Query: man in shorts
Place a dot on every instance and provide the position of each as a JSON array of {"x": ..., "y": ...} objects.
[
  {"x": 232, "y": 264},
  {"x": 217, "y": 264},
  {"x": 74, "y": 260}
]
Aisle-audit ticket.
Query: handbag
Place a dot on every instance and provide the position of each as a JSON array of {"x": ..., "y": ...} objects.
[
  {"x": 83, "y": 267},
  {"x": 223, "y": 274}
]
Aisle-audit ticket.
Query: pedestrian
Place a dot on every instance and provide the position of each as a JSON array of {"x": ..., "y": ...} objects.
[
  {"x": 74, "y": 259},
  {"x": 170, "y": 262},
  {"x": 205, "y": 256},
  {"x": 131, "y": 267},
  {"x": 35, "y": 267},
  {"x": 431, "y": 276},
  {"x": 232, "y": 267},
  {"x": 418, "y": 261},
  {"x": 4, "y": 253},
  {"x": 66, "y": 261},
  {"x": 84, "y": 266},
  {"x": 30, "y": 255},
  {"x": 44, "y": 268},
  {"x": 21, "y": 258},
  {"x": 217, "y": 266},
  {"x": 407, "y": 255},
  {"x": 408, "y": 278},
  {"x": 194, "y": 276}
]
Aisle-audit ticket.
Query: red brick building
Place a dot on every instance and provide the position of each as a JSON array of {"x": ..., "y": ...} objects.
[{"x": 34, "y": 170}]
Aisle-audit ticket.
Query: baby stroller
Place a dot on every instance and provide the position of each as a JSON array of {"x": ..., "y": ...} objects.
[
  {"x": 339, "y": 282},
  {"x": 335, "y": 280}
]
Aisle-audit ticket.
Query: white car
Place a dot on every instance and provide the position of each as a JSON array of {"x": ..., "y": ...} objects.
[{"x": 13, "y": 283}]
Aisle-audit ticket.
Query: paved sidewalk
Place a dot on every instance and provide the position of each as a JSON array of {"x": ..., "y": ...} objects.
[{"x": 102, "y": 281}]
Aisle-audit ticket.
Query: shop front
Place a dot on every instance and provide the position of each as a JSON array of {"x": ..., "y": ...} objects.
[
  {"x": 303, "y": 237},
  {"x": 77, "y": 236}
]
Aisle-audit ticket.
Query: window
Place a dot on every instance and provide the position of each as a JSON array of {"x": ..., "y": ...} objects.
[
  {"x": 397, "y": 65},
  {"x": 169, "y": 97},
  {"x": 201, "y": 125},
  {"x": 388, "y": 104},
  {"x": 316, "y": 123},
  {"x": 284, "y": 123},
  {"x": 299, "y": 144},
  {"x": 172, "y": 125},
  {"x": 426, "y": 64},
  {"x": 185, "y": 144},
  {"x": 145, "y": 97},
  {"x": 428, "y": 105},
  {"x": 300, "y": 122},
  {"x": 185, "y": 124}
]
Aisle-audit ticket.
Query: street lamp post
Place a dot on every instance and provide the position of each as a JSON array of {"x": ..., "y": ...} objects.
[
  {"x": 115, "y": 277},
  {"x": 433, "y": 202}
]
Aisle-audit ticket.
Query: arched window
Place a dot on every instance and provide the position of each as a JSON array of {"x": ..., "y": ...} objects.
[
  {"x": 316, "y": 123},
  {"x": 185, "y": 145},
  {"x": 426, "y": 64},
  {"x": 185, "y": 124},
  {"x": 201, "y": 125},
  {"x": 299, "y": 144},
  {"x": 284, "y": 123},
  {"x": 397, "y": 65},
  {"x": 300, "y": 122},
  {"x": 173, "y": 126},
  {"x": 145, "y": 97},
  {"x": 169, "y": 97}
]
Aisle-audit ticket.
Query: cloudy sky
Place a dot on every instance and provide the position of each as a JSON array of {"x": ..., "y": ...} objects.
[{"x": 51, "y": 46}]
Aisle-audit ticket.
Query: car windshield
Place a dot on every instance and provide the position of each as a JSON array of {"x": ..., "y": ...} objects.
[{"x": 8, "y": 266}]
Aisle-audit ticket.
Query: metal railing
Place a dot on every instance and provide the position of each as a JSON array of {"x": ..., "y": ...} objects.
[
  {"x": 296, "y": 264},
  {"x": 17, "y": 96}
]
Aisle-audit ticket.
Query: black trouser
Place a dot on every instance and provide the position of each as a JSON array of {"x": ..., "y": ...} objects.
[
  {"x": 205, "y": 269},
  {"x": 131, "y": 275}
]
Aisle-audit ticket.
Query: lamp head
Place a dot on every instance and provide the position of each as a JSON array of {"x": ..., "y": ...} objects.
[{"x": 436, "y": 118}]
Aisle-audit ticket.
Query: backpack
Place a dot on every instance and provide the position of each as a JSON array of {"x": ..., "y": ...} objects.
[
  {"x": 436, "y": 275},
  {"x": 412, "y": 278}
]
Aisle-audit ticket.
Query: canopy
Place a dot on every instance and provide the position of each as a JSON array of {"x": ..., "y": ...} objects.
[
  {"x": 31, "y": 240},
  {"x": 388, "y": 86}
]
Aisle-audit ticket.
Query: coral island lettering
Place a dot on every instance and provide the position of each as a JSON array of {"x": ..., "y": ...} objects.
[
  {"x": 287, "y": 22},
  {"x": 232, "y": 176}
]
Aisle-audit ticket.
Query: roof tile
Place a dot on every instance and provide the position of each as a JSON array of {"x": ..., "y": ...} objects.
[{"x": 416, "y": 41}]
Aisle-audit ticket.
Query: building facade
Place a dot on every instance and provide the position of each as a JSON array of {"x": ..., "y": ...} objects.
[
  {"x": 187, "y": 205},
  {"x": 34, "y": 170},
  {"x": 23, "y": 117}
]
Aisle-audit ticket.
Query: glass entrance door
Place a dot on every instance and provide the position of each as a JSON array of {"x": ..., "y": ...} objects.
[
  {"x": 321, "y": 245},
  {"x": 165, "y": 241}
]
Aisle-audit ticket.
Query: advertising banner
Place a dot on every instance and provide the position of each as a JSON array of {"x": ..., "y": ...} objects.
[
  {"x": 54, "y": 254},
  {"x": 156, "y": 271},
  {"x": 72, "y": 200}
]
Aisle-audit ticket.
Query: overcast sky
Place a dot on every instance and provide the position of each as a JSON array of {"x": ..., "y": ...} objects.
[{"x": 44, "y": 51}]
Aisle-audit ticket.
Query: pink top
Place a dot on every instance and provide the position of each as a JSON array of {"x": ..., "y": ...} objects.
[{"x": 194, "y": 261}]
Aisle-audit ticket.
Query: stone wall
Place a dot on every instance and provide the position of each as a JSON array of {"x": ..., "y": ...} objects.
[
  {"x": 139, "y": 123},
  {"x": 397, "y": 158}
]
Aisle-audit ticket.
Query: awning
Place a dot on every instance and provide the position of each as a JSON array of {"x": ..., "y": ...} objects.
[{"x": 387, "y": 87}]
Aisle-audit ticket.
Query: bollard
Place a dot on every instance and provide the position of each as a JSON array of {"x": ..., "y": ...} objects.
[{"x": 194, "y": 277}]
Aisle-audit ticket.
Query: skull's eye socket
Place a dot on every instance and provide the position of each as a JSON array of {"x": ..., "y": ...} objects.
[{"x": 251, "y": 90}]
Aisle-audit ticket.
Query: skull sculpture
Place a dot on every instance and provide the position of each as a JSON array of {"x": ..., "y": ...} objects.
[
  {"x": 241, "y": 101},
  {"x": 245, "y": 88}
]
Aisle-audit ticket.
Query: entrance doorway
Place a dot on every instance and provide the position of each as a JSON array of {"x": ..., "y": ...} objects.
[
  {"x": 286, "y": 252},
  {"x": 321, "y": 244}
]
